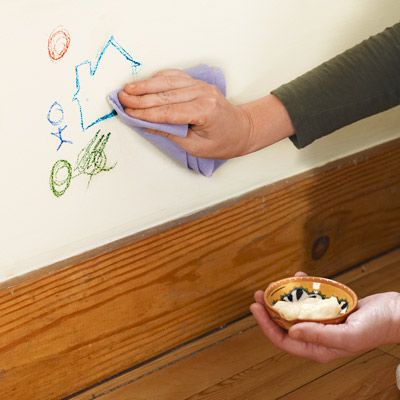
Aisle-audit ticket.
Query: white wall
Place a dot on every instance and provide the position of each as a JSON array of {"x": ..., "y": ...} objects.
[{"x": 258, "y": 43}]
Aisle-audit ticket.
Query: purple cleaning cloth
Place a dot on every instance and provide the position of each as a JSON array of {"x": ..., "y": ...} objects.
[{"x": 204, "y": 166}]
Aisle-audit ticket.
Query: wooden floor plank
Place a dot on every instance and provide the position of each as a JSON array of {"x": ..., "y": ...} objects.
[
  {"x": 393, "y": 349},
  {"x": 379, "y": 266},
  {"x": 367, "y": 377},
  {"x": 183, "y": 352},
  {"x": 391, "y": 393},
  {"x": 199, "y": 370},
  {"x": 379, "y": 275},
  {"x": 238, "y": 362},
  {"x": 268, "y": 380},
  {"x": 242, "y": 364}
]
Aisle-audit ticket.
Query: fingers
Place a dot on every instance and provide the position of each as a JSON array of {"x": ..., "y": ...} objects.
[
  {"x": 159, "y": 99},
  {"x": 274, "y": 333},
  {"x": 188, "y": 143},
  {"x": 171, "y": 72},
  {"x": 159, "y": 83},
  {"x": 183, "y": 113},
  {"x": 283, "y": 341},
  {"x": 335, "y": 336},
  {"x": 259, "y": 297},
  {"x": 181, "y": 141},
  {"x": 270, "y": 329},
  {"x": 159, "y": 133},
  {"x": 300, "y": 273}
]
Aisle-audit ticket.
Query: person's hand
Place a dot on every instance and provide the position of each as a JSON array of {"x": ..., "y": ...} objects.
[
  {"x": 218, "y": 129},
  {"x": 375, "y": 323}
]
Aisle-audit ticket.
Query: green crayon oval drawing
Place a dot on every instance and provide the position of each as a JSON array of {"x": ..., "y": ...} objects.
[{"x": 60, "y": 177}]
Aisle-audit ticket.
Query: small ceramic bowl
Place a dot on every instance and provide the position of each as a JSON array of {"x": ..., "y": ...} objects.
[{"x": 296, "y": 288}]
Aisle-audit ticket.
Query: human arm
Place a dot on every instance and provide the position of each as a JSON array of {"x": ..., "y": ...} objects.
[
  {"x": 218, "y": 129},
  {"x": 360, "y": 82}
]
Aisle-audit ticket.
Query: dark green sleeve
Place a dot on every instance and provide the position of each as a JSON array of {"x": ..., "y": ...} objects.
[{"x": 360, "y": 82}]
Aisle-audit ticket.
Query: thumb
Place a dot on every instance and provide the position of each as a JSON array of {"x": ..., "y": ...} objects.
[
  {"x": 180, "y": 141},
  {"x": 159, "y": 133},
  {"x": 337, "y": 336},
  {"x": 191, "y": 143}
]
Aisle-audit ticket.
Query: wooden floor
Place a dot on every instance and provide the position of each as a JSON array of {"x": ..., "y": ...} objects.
[{"x": 237, "y": 362}]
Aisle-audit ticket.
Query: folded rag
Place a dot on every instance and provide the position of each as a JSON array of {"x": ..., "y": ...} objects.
[{"x": 204, "y": 166}]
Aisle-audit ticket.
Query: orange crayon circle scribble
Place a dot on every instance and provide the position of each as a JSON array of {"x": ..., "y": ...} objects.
[{"x": 58, "y": 43}]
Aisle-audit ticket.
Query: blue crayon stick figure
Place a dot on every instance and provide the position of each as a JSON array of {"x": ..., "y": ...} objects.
[{"x": 55, "y": 116}]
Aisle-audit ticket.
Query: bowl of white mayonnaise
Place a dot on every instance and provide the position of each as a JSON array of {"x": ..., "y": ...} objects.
[{"x": 309, "y": 299}]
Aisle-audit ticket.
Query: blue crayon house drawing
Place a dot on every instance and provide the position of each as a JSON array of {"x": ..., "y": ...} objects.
[{"x": 91, "y": 98}]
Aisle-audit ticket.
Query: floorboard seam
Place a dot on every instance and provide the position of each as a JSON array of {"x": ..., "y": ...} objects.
[
  {"x": 159, "y": 356},
  {"x": 320, "y": 376}
]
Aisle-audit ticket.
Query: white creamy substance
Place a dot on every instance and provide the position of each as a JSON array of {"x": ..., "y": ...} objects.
[{"x": 309, "y": 308}]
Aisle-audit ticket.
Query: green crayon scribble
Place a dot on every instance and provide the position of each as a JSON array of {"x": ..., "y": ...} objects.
[
  {"x": 91, "y": 161},
  {"x": 59, "y": 179}
]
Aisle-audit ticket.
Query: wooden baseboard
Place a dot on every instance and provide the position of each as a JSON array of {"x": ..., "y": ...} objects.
[{"x": 68, "y": 326}]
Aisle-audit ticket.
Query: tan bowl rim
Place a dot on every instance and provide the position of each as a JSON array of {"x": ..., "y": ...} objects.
[{"x": 280, "y": 282}]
